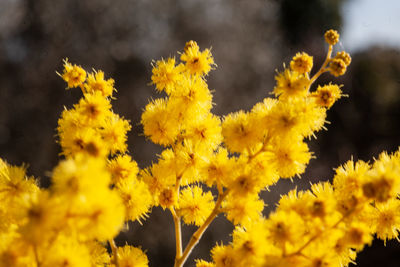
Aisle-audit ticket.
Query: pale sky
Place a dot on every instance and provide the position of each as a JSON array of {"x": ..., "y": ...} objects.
[{"x": 371, "y": 22}]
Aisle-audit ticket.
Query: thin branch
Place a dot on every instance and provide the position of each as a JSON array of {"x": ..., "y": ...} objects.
[
  {"x": 114, "y": 252},
  {"x": 199, "y": 233}
]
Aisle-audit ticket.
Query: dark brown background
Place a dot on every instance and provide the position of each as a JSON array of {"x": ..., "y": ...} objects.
[{"x": 249, "y": 40}]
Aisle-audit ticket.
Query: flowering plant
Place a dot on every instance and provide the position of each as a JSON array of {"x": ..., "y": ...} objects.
[{"x": 98, "y": 187}]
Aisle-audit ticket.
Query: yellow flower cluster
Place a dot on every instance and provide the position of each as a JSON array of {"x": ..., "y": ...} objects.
[
  {"x": 94, "y": 190},
  {"x": 209, "y": 166},
  {"x": 325, "y": 226}
]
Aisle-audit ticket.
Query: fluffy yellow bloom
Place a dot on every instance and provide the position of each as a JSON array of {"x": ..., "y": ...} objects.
[
  {"x": 294, "y": 118},
  {"x": 129, "y": 256},
  {"x": 99, "y": 256},
  {"x": 197, "y": 63},
  {"x": 114, "y": 133},
  {"x": 168, "y": 198},
  {"x": 206, "y": 131},
  {"x": 290, "y": 159},
  {"x": 238, "y": 132},
  {"x": 84, "y": 140},
  {"x": 326, "y": 96},
  {"x": 383, "y": 180},
  {"x": 66, "y": 252},
  {"x": 96, "y": 83},
  {"x": 245, "y": 183},
  {"x": 158, "y": 124},
  {"x": 291, "y": 83},
  {"x": 166, "y": 75},
  {"x": 136, "y": 198},
  {"x": 218, "y": 170},
  {"x": 158, "y": 180},
  {"x": 323, "y": 206},
  {"x": 224, "y": 256},
  {"x": 297, "y": 201},
  {"x": 387, "y": 219},
  {"x": 190, "y": 159},
  {"x": 284, "y": 228},
  {"x": 358, "y": 235},
  {"x": 122, "y": 168},
  {"x": 74, "y": 75},
  {"x": 302, "y": 63},
  {"x": 44, "y": 215},
  {"x": 348, "y": 182},
  {"x": 245, "y": 211},
  {"x": 99, "y": 219},
  {"x": 75, "y": 176},
  {"x": 93, "y": 108},
  {"x": 16, "y": 190},
  {"x": 195, "y": 205},
  {"x": 190, "y": 99}
]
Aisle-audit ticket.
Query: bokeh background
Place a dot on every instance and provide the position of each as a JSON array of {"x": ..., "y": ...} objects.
[{"x": 250, "y": 39}]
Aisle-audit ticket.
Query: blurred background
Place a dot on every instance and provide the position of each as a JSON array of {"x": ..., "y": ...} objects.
[{"x": 250, "y": 40}]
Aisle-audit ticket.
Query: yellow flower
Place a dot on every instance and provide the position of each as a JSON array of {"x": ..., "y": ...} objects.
[
  {"x": 158, "y": 124},
  {"x": 190, "y": 159},
  {"x": 96, "y": 83},
  {"x": 122, "y": 167},
  {"x": 197, "y": 63},
  {"x": 387, "y": 219},
  {"x": 66, "y": 252},
  {"x": 219, "y": 169},
  {"x": 224, "y": 256},
  {"x": 76, "y": 176},
  {"x": 344, "y": 56},
  {"x": 358, "y": 235},
  {"x": 251, "y": 244},
  {"x": 331, "y": 37},
  {"x": 114, "y": 132},
  {"x": 289, "y": 159},
  {"x": 43, "y": 216},
  {"x": 284, "y": 228},
  {"x": 85, "y": 140},
  {"x": 383, "y": 180},
  {"x": 202, "y": 263},
  {"x": 245, "y": 210},
  {"x": 136, "y": 198},
  {"x": 158, "y": 178},
  {"x": 327, "y": 95},
  {"x": 74, "y": 75},
  {"x": 291, "y": 83},
  {"x": 167, "y": 198},
  {"x": 166, "y": 75},
  {"x": 206, "y": 131},
  {"x": 190, "y": 100},
  {"x": 102, "y": 215},
  {"x": 195, "y": 205},
  {"x": 93, "y": 108},
  {"x": 348, "y": 182},
  {"x": 238, "y": 132},
  {"x": 294, "y": 118},
  {"x": 302, "y": 63},
  {"x": 129, "y": 256},
  {"x": 16, "y": 190},
  {"x": 99, "y": 256},
  {"x": 337, "y": 67},
  {"x": 297, "y": 201}
]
